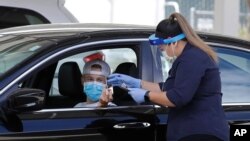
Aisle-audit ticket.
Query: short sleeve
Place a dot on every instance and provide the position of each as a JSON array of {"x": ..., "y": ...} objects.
[{"x": 187, "y": 80}]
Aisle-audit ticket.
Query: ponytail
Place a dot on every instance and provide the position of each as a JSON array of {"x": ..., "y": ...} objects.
[{"x": 192, "y": 36}]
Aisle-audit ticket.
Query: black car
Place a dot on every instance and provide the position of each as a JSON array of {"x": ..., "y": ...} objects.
[{"x": 40, "y": 73}]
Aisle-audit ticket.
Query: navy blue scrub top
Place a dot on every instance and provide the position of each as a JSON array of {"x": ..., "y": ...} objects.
[{"x": 194, "y": 86}]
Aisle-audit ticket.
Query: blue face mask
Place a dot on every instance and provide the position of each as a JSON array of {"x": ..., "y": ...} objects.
[{"x": 93, "y": 90}]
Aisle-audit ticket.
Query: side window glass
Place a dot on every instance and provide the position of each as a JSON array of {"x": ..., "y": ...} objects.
[
  {"x": 235, "y": 75},
  {"x": 116, "y": 58}
]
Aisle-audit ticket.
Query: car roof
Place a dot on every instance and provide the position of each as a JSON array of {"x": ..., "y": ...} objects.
[
  {"x": 69, "y": 27},
  {"x": 66, "y": 30}
]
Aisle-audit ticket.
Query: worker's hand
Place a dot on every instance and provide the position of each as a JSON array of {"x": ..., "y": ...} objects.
[
  {"x": 124, "y": 81},
  {"x": 106, "y": 97},
  {"x": 137, "y": 94}
]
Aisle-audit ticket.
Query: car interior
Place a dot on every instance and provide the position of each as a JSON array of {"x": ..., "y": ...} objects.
[
  {"x": 66, "y": 74},
  {"x": 120, "y": 95},
  {"x": 70, "y": 87}
]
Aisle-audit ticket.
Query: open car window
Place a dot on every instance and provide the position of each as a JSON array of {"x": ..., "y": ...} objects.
[{"x": 66, "y": 89}]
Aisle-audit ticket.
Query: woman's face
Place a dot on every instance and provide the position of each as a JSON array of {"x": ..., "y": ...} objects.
[{"x": 169, "y": 49}]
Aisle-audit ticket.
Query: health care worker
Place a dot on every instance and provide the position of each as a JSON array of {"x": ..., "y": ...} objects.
[{"x": 192, "y": 90}]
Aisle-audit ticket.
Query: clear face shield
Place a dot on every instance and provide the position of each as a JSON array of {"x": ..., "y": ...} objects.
[{"x": 159, "y": 50}]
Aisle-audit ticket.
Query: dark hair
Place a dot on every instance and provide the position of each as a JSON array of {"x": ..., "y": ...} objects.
[
  {"x": 168, "y": 28},
  {"x": 177, "y": 24}
]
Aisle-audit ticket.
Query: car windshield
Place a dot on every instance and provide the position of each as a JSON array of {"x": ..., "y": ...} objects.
[{"x": 15, "y": 49}]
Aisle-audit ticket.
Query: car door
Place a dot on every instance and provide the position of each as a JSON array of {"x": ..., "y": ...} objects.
[{"x": 59, "y": 120}]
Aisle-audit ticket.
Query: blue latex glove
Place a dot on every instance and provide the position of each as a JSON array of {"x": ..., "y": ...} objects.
[
  {"x": 137, "y": 94},
  {"x": 124, "y": 81}
]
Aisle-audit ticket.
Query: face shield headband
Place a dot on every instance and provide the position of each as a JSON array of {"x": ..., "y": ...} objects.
[
  {"x": 156, "y": 52},
  {"x": 159, "y": 41}
]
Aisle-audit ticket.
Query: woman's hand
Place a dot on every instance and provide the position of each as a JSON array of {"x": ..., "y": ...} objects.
[
  {"x": 124, "y": 81},
  {"x": 137, "y": 94}
]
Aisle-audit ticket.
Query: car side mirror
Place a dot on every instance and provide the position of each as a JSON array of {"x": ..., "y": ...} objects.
[
  {"x": 26, "y": 99},
  {"x": 21, "y": 100}
]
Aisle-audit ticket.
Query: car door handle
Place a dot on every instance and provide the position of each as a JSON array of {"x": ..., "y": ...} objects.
[{"x": 128, "y": 125}]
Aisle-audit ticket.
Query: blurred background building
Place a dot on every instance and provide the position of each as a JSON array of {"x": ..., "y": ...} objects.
[{"x": 228, "y": 17}]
